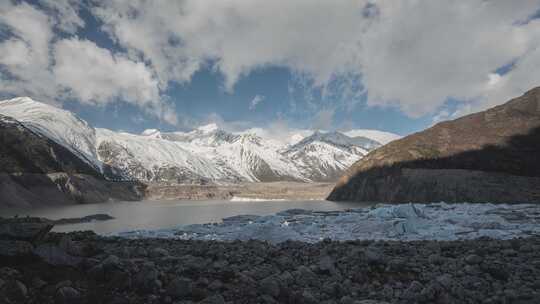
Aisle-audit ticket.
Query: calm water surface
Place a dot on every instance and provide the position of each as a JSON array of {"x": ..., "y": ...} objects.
[{"x": 167, "y": 214}]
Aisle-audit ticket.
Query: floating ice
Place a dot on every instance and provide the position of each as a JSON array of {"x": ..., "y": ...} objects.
[{"x": 438, "y": 221}]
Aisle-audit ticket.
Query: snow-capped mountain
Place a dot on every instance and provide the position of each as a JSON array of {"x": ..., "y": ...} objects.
[
  {"x": 59, "y": 125},
  {"x": 324, "y": 156},
  {"x": 206, "y": 154}
]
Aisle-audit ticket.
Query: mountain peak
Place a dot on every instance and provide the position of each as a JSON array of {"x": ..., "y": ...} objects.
[
  {"x": 211, "y": 127},
  {"x": 151, "y": 133},
  {"x": 20, "y": 99}
]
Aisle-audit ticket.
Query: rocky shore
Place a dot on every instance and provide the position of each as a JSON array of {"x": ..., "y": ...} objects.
[{"x": 37, "y": 266}]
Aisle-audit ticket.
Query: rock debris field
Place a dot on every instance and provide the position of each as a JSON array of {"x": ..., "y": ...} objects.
[{"x": 38, "y": 266}]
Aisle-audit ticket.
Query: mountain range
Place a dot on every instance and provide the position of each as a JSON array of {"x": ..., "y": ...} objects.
[{"x": 205, "y": 155}]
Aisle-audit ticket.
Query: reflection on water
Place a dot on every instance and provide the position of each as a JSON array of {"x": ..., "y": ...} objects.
[{"x": 167, "y": 214}]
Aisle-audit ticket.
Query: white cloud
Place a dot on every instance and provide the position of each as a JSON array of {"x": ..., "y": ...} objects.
[
  {"x": 411, "y": 54},
  {"x": 94, "y": 75},
  {"x": 67, "y": 14},
  {"x": 255, "y": 101},
  {"x": 419, "y": 53},
  {"x": 237, "y": 36},
  {"x": 37, "y": 63},
  {"x": 25, "y": 54}
]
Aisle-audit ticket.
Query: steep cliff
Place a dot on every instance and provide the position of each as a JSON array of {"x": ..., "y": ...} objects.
[{"x": 37, "y": 171}]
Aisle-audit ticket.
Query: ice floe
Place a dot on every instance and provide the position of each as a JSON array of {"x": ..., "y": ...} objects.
[{"x": 437, "y": 221}]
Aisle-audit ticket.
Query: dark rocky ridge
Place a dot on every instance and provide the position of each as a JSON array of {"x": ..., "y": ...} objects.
[
  {"x": 83, "y": 267},
  {"x": 490, "y": 156},
  {"x": 34, "y": 170}
]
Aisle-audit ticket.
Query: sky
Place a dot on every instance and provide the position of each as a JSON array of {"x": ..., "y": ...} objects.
[{"x": 397, "y": 66}]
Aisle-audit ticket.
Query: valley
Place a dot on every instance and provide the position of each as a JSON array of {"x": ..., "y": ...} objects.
[
  {"x": 268, "y": 152},
  {"x": 203, "y": 163}
]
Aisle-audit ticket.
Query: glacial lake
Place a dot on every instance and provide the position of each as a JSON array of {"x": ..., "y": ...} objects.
[{"x": 150, "y": 215}]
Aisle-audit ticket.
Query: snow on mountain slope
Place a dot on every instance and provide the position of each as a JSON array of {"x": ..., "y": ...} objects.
[
  {"x": 204, "y": 155},
  {"x": 379, "y": 136},
  {"x": 324, "y": 156},
  {"x": 59, "y": 125},
  {"x": 154, "y": 159},
  {"x": 246, "y": 156}
]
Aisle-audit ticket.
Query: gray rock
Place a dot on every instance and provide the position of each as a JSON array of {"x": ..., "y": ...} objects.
[
  {"x": 435, "y": 259},
  {"x": 180, "y": 287},
  {"x": 25, "y": 229},
  {"x": 97, "y": 272},
  {"x": 38, "y": 283},
  {"x": 374, "y": 255},
  {"x": 269, "y": 286},
  {"x": 65, "y": 283},
  {"x": 139, "y": 252},
  {"x": 67, "y": 295},
  {"x": 305, "y": 276},
  {"x": 215, "y": 285},
  {"x": 346, "y": 300},
  {"x": 447, "y": 282},
  {"x": 509, "y": 252},
  {"x": 79, "y": 249},
  {"x": 473, "y": 259},
  {"x": 327, "y": 265},
  {"x": 8, "y": 273},
  {"x": 308, "y": 298},
  {"x": 413, "y": 290},
  {"x": 215, "y": 299},
  {"x": 158, "y": 252},
  {"x": 147, "y": 278},
  {"x": 111, "y": 262},
  {"x": 55, "y": 255},
  {"x": 17, "y": 291},
  {"x": 119, "y": 279},
  {"x": 12, "y": 248}
]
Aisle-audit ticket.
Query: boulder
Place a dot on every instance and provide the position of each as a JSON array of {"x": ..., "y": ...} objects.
[
  {"x": 180, "y": 287},
  {"x": 11, "y": 248},
  {"x": 55, "y": 255},
  {"x": 67, "y": 295},
  {"x": 29, "y": 229}
]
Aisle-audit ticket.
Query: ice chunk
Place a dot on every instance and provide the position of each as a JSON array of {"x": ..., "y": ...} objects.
[{"x": 384, "y": 222}]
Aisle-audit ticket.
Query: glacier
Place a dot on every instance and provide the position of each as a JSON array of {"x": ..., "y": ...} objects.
[{"x": 404, "y": 222}]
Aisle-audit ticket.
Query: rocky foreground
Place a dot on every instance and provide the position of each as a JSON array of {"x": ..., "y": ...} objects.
[{"x": 37, "y": 266}]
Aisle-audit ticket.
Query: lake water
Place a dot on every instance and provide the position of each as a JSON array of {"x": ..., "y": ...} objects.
[{"x": 148, "y": 215}]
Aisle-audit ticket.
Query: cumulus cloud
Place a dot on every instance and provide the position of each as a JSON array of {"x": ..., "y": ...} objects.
[
  {"x": 25, "y": 53},
  {"x": 66, "y": 13},
  {"x": 236, "y": 36},
  {"x": 410, "y": 54},
  {"x": 94, "y": 75},
  {"x": 255, "y": 101},
  {"x": 419, "y": 53},
  {"x": 38, "y": 63}
]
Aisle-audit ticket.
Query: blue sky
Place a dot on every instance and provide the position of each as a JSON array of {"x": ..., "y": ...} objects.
[
  {"x": 204, "y": 100},
  {"x": 387, "y": 65}
]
